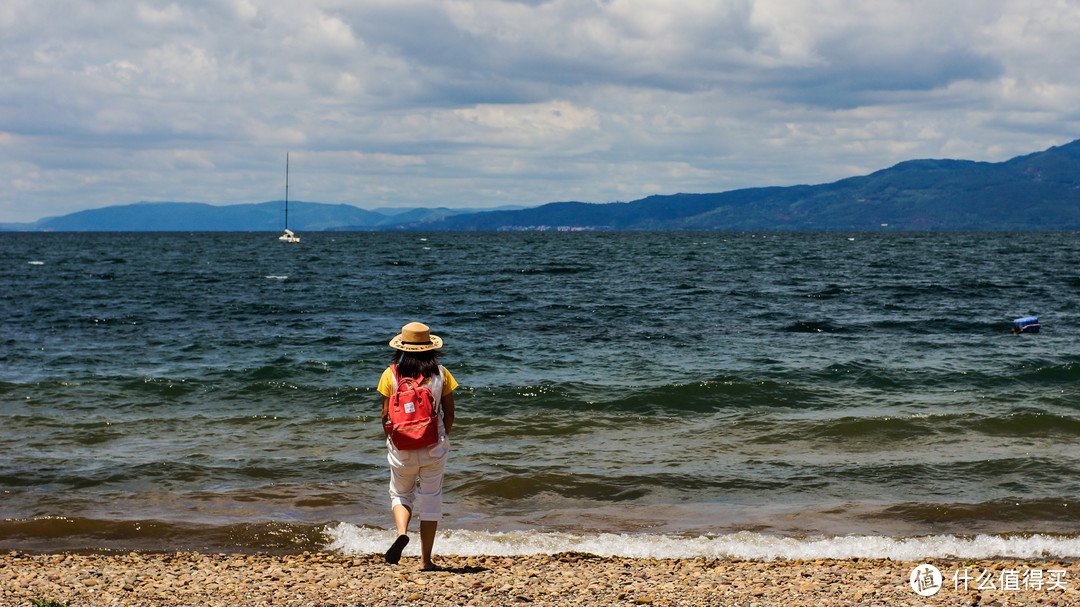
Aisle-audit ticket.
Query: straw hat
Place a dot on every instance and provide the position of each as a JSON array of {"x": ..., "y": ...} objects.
[{"x": 416, "y": 337}]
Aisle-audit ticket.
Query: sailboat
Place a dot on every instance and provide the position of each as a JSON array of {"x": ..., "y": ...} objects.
[{"x": 288, "y": 236}]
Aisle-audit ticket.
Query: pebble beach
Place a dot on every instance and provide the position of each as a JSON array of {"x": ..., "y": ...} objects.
[{"x": 325, "y": 580}]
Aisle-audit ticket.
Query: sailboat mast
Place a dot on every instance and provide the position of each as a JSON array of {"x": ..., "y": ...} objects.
[
  {"x": 288, "y": 236},
  {"x": 286, "y": 190}
]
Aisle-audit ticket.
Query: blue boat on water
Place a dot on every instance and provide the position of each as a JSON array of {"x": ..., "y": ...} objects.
[{"x": 1029, "y": 324}]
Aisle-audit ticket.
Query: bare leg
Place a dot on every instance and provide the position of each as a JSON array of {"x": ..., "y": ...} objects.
[
  {"x": 427, "y": 542},
  {"x": 401, "y": 521},
  {"x": 401, "y": 518}
]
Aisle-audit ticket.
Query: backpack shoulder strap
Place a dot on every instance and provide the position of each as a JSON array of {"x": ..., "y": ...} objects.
[{"x": 416, "y": 382}]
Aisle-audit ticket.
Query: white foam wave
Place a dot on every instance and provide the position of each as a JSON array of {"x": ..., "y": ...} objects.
[
  {"x": 276, "y": 276},
  {"x": 351, "y": 539},
  {"x": 36, "y": 263}
]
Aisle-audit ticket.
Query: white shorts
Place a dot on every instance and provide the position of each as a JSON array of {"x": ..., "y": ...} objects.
[{"x": 416, "y": 475}]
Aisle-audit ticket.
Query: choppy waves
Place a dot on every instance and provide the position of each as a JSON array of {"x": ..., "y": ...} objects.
[
  {"x": 78, "y": 534},
  {"x": 351, "y": 539},
  {"x": 681, "y": 384}
]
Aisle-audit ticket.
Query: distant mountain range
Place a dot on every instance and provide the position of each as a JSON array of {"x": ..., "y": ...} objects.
[
  {"x": 1039, "y": 191},
  {"x": 1035, "y": 192},
  {"x": 255, "y": 217}
]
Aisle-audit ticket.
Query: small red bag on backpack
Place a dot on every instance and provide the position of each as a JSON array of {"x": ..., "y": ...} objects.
[{"x": 413, "y": 419}]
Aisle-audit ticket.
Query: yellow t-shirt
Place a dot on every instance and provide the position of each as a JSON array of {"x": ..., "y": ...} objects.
[{"x": 386, "y": 382}]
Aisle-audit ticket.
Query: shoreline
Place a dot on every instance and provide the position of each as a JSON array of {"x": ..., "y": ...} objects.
[{"x": 324, "y": 580}]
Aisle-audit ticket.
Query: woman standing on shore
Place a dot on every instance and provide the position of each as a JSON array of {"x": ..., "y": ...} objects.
[{"x": 416, "y": 474}]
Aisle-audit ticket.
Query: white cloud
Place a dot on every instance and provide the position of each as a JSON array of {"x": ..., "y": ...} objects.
[
  {"x": 180, "y": 70},
  {"x": 268, "y": 135},
  {"x": 244, "y": 10},
  {"x": 388, "y": 160},
  {"x": 528, "y": 123},
  {"x": 191, "y": 159},
  {"x": 157, "y": 16},
  {"x": 485, "y": 102}
]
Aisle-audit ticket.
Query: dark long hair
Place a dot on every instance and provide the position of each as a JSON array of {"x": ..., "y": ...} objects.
[{"x": 417, "y": 364}]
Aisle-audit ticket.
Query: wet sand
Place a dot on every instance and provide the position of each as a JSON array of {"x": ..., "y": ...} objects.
[{"x": 149, "y": 580}]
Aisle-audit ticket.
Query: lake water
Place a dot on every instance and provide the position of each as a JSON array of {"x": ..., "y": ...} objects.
[{"x": 643, "y": 394}]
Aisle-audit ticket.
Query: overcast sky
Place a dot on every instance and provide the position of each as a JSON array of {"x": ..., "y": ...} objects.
[{"x": 485, "y": 102}]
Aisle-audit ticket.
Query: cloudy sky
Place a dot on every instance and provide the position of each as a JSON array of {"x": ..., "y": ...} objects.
[{"x": 486, "y": 102}]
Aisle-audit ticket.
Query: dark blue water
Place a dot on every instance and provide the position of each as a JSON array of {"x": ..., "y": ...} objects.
[{"x": 216, "y": 391}]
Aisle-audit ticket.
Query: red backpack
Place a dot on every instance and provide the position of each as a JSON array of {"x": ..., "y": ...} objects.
[{"x": 413, "y": 420}]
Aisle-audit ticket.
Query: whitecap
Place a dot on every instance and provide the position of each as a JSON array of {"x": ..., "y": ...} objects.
[
  {"x": 36, "y": 263},
  {"x": 276, "y": 277},
  {"x": 351, "y": 539}
]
